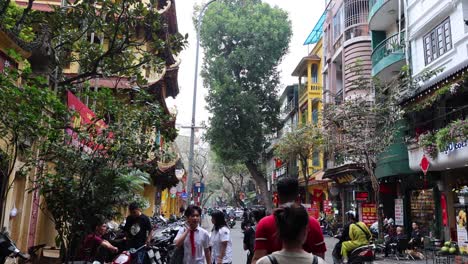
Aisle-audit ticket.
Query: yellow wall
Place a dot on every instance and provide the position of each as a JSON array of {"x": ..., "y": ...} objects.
[{"x": 313, "y": 100}]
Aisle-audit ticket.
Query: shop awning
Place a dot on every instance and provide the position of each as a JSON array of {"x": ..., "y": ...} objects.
[
  {"x": 315, "y": 179},
  {"x": 346, "y": 174}
]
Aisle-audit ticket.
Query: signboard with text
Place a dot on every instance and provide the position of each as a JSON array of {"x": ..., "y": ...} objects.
[
  {"x": 369, "y": 213},
  {"x": 399, "y": 219},
  {"x": 362, "y": 196},
  {"x": 327, "y": 207}
]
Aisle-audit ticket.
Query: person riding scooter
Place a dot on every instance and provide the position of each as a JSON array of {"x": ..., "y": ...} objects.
[{"x": 359, "y": 235}]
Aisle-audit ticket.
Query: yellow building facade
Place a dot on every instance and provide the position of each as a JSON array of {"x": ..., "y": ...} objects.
[
  {"x": 309, "y": 73},
  {"x": 29, "y": 225}
]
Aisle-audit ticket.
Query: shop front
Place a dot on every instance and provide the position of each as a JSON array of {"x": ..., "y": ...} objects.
[
  {"x": 348, "y": 181},
  {"x": 317, "y": 193}
]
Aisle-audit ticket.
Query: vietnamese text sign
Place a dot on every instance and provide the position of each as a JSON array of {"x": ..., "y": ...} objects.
[
  {"x": 399, "y": 219},
  {"x": 362, "y": 196},
  {"x": 369, "y": 213}
]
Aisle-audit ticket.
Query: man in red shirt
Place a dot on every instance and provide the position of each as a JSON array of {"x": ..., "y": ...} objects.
[{"x": 266, "y": 240}]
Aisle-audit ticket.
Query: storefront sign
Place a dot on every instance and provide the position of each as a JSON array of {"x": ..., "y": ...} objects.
[
  {"x": 455, "y": 145},
  {"x": 369, "y": 213},
  {"x": 280, "y": 172},
  {"x": 345, "y": 178},
  {"x": 399, "y": 216},
  {"x": 327, "y": 207},
  {"x": 361, "y": 196}
]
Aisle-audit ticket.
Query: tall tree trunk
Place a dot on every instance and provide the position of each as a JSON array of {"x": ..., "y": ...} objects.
[
  {"x": 375, "y": 187},
  {"x": 305, "y": 174},
  {"x": 261, "y": 182}
]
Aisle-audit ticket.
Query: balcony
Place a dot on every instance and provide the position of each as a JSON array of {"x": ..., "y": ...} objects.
[
  {"x": 388, "y": 57},
  {"x": 383, "y": 14},
  {"x": 315, "y": 90},
  {"x": 288, "y": 108}
]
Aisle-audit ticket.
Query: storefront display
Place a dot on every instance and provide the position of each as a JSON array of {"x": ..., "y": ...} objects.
[
  {"x": 462, "y": 237},
  {"x": 423, "y": 208}
]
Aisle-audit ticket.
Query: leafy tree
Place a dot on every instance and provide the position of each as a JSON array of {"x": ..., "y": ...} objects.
[
  {"x": 244, "y": 41},
  {"x": 31, "y": 115},
  {"x": 97, "y": 170},
  {"x": 362, "y": 127},
  {"x": 121, "y": 40},
  {"x": 299, "y": 143}
]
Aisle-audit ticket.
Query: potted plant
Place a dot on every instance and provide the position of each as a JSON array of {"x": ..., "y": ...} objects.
[{"x": 168, "y": 158}]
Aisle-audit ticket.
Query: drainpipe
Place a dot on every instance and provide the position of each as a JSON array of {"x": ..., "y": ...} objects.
[
  {"x": 407, "y": 47},
  {"x": 399, "y": 23}
]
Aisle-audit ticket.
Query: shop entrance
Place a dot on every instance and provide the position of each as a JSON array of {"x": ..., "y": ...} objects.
[{"x": 423, "y": 209}]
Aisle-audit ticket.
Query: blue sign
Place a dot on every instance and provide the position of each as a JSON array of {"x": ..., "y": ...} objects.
[
  {"x": 183, "y": 195},
  {"x": 198, "y": 187}
]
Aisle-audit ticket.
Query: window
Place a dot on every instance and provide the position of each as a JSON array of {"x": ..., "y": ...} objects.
[
  {"x": 437, "y": 42},
  {"x": 314, "y": 73},
  {"x": 315, "y": 158},
  {"x": 338, "y": 21}
]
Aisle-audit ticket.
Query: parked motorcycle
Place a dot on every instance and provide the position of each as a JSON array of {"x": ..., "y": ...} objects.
[
  {"x": 232, "y": 222},
  {"x": 8, "y": 249}
]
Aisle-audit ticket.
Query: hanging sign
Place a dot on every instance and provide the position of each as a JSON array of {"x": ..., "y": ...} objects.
[
  {"x": 424, "y": 164},
  {"x": 362, "y": 196}
]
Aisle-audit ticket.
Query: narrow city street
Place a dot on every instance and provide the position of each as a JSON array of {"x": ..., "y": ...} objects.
[{"x": 239, "y": 255}]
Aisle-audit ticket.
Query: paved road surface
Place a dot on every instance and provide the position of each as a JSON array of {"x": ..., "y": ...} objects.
[{"x": 239, "y": 255}]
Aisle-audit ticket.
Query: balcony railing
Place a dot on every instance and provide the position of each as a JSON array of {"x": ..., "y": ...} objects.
[
  {"x": 315, "y": 88},
  {"x": 389, "y": 46},
  {"x": 288, "y": 108}
]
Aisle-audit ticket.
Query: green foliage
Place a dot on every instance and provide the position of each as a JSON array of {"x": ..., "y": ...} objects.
[
  {"x": 12, "y": 14},
  {"x": 121, "y": 40},
  {"x": 300, "y": 143},
  {"x": 435, "y": 142},
  {"x": 82, "y": 186},
  {"x": 427, "y": 141},
  {"x": 243, "y": 41}
]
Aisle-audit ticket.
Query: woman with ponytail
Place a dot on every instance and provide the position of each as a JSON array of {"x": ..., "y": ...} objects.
[{"x": 291, "y": 222}]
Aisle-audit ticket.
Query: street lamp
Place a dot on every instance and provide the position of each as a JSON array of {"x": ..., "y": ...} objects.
[{"x": 192, "y": 126}]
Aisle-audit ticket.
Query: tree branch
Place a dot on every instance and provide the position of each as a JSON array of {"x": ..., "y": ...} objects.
[{"x": 20, "y": 22}]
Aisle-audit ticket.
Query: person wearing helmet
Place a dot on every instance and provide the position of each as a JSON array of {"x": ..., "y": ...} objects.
[{"x": 358, "y": 233}]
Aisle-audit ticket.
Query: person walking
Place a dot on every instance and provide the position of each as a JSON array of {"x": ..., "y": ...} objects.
[
  {"x": 292, "y": 222},
  {"x": 266, "y": 239},
  {"x": 249, "y": 232},
  {"x": 194, "y": 239},
  {"x": 220, "y": 241}
]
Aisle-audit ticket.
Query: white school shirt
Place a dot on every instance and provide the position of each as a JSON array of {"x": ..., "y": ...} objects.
[
  {"x": 202, "y": 241},
  {"x": 222, "y": 235}
]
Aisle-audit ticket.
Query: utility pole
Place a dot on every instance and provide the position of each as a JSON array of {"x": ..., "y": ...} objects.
[{"x": 192, "y": 126}]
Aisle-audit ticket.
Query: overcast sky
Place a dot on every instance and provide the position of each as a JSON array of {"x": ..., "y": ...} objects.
[{"x": 303, "y": 14}]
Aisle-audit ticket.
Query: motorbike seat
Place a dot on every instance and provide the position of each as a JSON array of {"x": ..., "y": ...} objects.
[{"x": 361, "y": 248}]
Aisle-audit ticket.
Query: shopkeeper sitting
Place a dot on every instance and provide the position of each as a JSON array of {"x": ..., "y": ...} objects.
[{"x": 416, "y": 240}]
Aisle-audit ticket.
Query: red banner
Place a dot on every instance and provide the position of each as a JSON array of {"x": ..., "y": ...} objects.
[
  {"x": 85, "y": 117},
  {"x": 369, "y": 213}
]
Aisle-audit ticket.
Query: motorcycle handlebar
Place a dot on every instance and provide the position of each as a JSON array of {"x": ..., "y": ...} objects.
[{"x": 24, "y": 256}]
